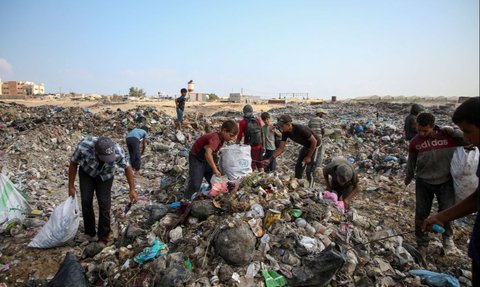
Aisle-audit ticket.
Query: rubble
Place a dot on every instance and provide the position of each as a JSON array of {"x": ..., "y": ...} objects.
[{"x": 265, "y": 226}]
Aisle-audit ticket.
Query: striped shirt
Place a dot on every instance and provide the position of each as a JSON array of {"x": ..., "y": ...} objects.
[{"x": 84, "y": 156}]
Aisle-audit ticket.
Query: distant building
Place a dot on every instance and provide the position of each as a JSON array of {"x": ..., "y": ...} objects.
[
  {"x": 19, "y": 88},
  {"x": 240, "y": 98},
  {"x": 197, "y": 97},
  {"x": 463, "y": 99}
]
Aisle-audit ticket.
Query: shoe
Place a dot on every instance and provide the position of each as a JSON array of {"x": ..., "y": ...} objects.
[
  {"x": 107, "y": 239},
  {"x": 448, "y": 245},
  {"x": 85, "y": 237}
]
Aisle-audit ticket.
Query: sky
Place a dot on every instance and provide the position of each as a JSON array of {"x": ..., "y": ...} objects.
[{"x": 324, "y": 48}]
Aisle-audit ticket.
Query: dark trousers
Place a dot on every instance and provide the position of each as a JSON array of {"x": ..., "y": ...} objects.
[
  {"x": 475, "y": 274},
  {"x": 197, "y": 170},
  {"x": 424, "y": 193},
  {"x": 300, "y": 167},
  {"x": 88, "y": 186},
  {"x": 133, "y": 145},
  {"x": 273, "y": 164}
]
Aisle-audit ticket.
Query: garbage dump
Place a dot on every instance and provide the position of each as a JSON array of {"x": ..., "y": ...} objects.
[{"x": 252, "y": 229}]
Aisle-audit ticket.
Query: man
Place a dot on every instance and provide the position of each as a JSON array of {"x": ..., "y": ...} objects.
[
  {"x": 467, "y": 117},
  {"x": 344, "y": 179},
  {"x": 97, "y": 158},
  {"x": 317, "y": 124},
  {"x": 302, "y": 135},
  {"x": 134, "y": 138},
  {"x": 201, "y": 163},
  {"x": 430, "y": 154},
  {"x": 251, "y": 127},
  {"x": 410, "y": 126},
  {"x": 180, "y": 105}
]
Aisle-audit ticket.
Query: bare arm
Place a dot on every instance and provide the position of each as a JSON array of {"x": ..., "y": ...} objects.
[
  {"x": 313, "y": 146},
  {"x": 72, "y": 172},
  {"x": 144, "y": 144},
  {"x": 280, "y": 149},
  {"x": 465, "y": 207},
  {"x": 352, "y": 194},
  {"x": 131, "y": 184},
  {"x": 210, "y": 161}
]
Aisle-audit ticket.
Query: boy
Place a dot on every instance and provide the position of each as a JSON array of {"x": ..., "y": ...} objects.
[
  {"x": 134, "y": 138},
  {"x": 180, "y": 105},
  {"x": 344, "y": 179},
  {"x": 200, "y": 160},
  {"x": 269, "y": 133},
  {"x": 252, "y": 128},
  {"x": 467, "y": 117},
  {"x": 304, "y": 136},
  {"x": 430, "y": 154}
]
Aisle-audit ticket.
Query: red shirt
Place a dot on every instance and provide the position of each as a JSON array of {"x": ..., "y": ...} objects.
[
  {"x": 241, "y": 130},
  {"x": 211, "y": 140}
]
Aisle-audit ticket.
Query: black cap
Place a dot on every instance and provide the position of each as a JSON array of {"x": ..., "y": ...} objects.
[
  {"x": 105, "y": 149},
  {"x": 284, "y": 119}
]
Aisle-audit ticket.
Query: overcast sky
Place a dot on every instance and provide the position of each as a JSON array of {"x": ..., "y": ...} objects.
[{"x": 326, "y": 48}]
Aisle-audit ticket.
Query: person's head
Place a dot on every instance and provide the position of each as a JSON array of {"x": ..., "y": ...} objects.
[
  {"x": 105, "y": 149},
  {"x": 320, "y": 112},
  {"x": 416, "y": 109},
  {"x": 425, "y": 124},
  {"x": 265, "y": 118},
  {"x": 247, "y": 111},
  {"x": 467, "y": 118},
  {"x": 229, "y": 130},
  {"x": 285, "y": 123},
  {"x": 183, "y": 91},
  {"x": 344, "y": 173},
  {"x": 145, "y": 128}
]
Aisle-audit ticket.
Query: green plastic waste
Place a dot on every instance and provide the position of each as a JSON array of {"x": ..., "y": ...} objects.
[
  {"x": 188, "y": 264},
  {"x": 273, "y": 279},
  {"x": 296, "y": 213}
]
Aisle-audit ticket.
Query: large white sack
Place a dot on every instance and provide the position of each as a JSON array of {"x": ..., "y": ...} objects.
[
  {"x": 13, "y": 206},
  {"x": 61, "y": 227},
  {"x": 235, "y": 161},
  {"x": 463, "y": 169}
]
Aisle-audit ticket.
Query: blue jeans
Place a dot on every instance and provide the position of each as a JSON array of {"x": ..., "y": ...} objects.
[{"x": 179, "y": 115}]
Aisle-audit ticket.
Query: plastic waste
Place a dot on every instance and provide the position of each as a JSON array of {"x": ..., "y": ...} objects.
[
  {"x": 158, "y": 249},
  {"x": 236, "y": 161},
  {"x": 273, "y": 279},
  {"x": 438, "y": 229},
  {"x": 317, "y": 269},
  {"x": 61, "y": 227},
  {"x": 13, "y": 206},
  {"x": 70, "y": 273},
  {"x": 463, "y": 168},
  {"x": 436, "y": 279}
]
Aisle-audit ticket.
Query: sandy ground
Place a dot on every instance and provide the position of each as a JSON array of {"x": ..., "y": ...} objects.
[{"x": 167, "y": 106}]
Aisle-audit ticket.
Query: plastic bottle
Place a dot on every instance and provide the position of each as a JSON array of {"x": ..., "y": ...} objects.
[{"x": 438, "y": 228}]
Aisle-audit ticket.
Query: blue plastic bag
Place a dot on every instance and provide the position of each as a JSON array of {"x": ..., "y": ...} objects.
[{"x": 436, "y": 279}]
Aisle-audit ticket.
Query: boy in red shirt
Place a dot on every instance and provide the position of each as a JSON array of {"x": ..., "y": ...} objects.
[{"x": 200, "y": 160}]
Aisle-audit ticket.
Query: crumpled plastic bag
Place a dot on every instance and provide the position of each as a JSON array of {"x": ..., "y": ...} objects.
[
  {"x": 463, "y": 168},
  {"x": 61, "y": 227},
  {"x": 332, "y": 196},
  {"x": 13, "y": 206},
  {"x": 436, "y": 279},
  {"x": 70, "y": 273}
]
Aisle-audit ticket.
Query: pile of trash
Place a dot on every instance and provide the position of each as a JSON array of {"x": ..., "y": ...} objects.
[{"x": 260, "y": 230}]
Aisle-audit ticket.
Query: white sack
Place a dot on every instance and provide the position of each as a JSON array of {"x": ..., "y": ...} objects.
[
  {"x": 235, "y": 161},
  {"x": 463, "y": 168}
]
